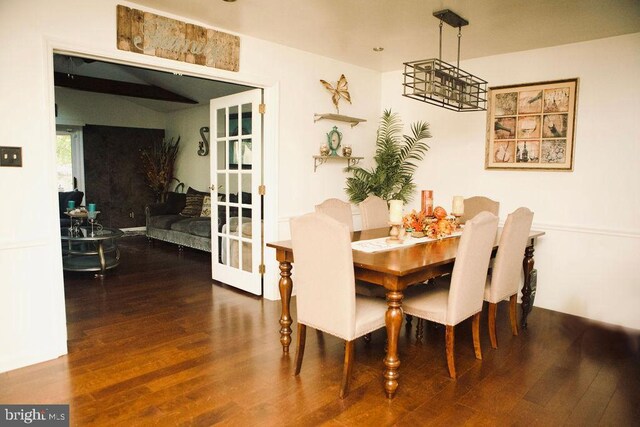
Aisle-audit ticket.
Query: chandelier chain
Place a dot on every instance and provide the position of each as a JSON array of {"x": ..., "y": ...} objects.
[
  {"x": 440, "y": 51},
  {"x": 459, "y": 38}
]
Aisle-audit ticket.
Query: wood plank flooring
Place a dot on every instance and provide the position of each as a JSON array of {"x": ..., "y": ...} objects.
[{"x": 156, "y": 343}]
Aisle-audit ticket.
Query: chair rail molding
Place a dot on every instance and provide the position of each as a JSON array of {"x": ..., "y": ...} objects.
[
  {"x": 22, "y": 244},
  {"x": 633, "y": 234}
]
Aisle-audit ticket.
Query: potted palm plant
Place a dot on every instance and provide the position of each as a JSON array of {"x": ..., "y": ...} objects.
[{"x": 396, "y": 159}]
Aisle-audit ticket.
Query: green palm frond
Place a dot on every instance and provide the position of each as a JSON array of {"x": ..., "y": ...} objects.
[{"x": 397, "y": 157}]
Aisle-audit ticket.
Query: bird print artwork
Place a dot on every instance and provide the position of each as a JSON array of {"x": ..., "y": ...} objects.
[{"x": 340, "y": 91}]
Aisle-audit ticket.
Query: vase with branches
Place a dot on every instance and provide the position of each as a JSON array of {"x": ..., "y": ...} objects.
[
  {"x": 396, "y": 159},
  {"x": 158, "y": 165}
]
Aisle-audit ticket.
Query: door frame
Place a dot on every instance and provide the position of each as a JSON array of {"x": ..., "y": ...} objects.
[{"x": 270, "y": 157}]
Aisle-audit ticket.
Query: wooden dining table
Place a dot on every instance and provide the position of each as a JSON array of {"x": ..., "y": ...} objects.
[{"x": 397, "y": 269}]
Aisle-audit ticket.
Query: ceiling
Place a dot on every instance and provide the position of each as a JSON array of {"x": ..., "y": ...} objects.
[
  {"x": 196, "y": 89},
  {"x": 348, "y": 30}
]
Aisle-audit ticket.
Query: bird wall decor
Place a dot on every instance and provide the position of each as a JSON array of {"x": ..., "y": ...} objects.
[{"x": 340, "y": 91}]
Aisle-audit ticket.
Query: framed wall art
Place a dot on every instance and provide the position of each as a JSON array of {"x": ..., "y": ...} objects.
[{"x": 532, "y": 126}]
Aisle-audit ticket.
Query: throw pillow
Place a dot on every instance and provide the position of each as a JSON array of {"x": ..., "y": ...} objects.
[
  {"x": 206, "y": 207},
  {"x": 193, "y": 206},
  {"x": 175, "y": 202},
  {"x": 194, "y": 191}
]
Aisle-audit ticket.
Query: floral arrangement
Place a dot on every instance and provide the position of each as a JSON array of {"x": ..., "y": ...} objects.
[
  {"x": 415, "y": 221},
  {"x": 435, "y": 227},
  {"x": 158, "y": 165}
]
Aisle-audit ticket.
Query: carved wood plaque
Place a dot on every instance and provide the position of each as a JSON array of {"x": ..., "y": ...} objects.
[{"x": 150, "y": 34}]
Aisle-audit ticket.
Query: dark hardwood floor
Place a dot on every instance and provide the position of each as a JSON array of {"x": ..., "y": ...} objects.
[{"x": 156, "y": 343}]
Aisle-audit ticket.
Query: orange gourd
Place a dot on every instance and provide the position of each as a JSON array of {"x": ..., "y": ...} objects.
[{"x": 439, "y": 212}]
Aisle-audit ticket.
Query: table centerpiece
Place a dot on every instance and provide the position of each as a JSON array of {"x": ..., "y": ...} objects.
[{"x": 440, "y": 225}]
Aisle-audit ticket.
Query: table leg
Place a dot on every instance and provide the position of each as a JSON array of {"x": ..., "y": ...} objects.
[
  {"x": 286, "y": 286},
  {"x": 527, "y": 266},
  {"x": 393, "y": 320},
  {"x": 103, "y": 261}
]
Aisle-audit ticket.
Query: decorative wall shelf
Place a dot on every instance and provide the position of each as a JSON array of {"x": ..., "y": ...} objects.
[
  {"x": 353, "y": 121},
  {"x": 320, "y": 160}
]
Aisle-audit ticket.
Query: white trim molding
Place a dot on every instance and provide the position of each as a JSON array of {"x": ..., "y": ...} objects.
[
  {"x": 25, "y": 244},
  {"x": 633, "y": 234}
]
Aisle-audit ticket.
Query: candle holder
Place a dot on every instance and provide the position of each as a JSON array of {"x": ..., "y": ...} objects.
[
  {"x": 457, "y": 207},
  {"x": 397, "y": 233},
  {"x": 75, "y": 221},
  {"x": 92, "y": 218},
  {"x": 456, "y": 221}
]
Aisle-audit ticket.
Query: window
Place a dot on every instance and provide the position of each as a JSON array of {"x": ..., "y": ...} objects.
[
  {"x": 63, "y": 159},
  {"x": 69, "y": 159}
]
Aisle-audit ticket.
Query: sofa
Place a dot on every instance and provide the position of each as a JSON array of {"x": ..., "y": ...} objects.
[
  {"x": 64, "y": 197},
  {"x": 185, "y": 218}
]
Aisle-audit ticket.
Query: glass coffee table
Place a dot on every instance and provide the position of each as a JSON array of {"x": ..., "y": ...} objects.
[{"x": 84, "y": 249}]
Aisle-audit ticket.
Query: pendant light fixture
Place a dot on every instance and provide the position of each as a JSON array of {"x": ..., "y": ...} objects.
[{"x": 436, "y": 82}]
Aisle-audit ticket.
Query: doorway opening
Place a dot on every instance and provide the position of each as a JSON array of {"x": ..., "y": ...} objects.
[{"x": 172, "y": 102}]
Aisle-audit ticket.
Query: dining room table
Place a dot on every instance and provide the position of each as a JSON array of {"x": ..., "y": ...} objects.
[{"x": 396, "y": 267}]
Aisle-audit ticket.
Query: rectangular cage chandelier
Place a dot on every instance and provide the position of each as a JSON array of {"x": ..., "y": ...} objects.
[{"x": 439, "y": 83}]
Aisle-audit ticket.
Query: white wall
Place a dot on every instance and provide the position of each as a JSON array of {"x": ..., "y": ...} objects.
[
  {"x": 191, "y": 169},
  {"x": 32, "y": 320},
  {"x": 302, "y": 95},
  {"x": 79, "y": 108},
  {"x": 587, "y": 261}
]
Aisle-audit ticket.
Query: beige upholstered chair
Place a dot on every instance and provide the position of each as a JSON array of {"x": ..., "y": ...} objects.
[
  {"x": 341, "y": 211},
  {"x": 338, "y": 210},
  {"x": 450, "y": 305},
  {"x": 326, "y": 299},
  {"x": 474, "y": 205},
  {"x": 504, "y": 280},
  {"x": 374, "y": 212}
]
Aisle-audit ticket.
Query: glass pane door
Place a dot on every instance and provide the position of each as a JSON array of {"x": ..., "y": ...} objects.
[{"x": 235, "y": 157}]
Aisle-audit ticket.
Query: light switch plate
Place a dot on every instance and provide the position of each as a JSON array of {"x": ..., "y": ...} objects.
[{"x": 11, "y": 156}]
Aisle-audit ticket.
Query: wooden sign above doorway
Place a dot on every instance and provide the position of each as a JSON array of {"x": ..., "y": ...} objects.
[{"x": 150, "y": 34}]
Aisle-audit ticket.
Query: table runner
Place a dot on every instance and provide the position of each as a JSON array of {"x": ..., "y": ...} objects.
[{"x": 381, "y": 244}]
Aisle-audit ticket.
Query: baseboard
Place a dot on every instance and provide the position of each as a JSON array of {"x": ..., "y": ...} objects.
[{"x": 17, "y": 361}]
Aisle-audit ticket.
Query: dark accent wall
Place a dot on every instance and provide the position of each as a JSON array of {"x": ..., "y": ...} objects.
[{"x": 113, "y": 176}]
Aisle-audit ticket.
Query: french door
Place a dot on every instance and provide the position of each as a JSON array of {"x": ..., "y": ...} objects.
[{"x": 236, "y": 177}]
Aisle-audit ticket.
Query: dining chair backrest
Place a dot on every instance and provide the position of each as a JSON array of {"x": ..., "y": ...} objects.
[
  {"x": 338, "y": 210},
  {"x": 324, "y": 274},
  {"x": 469, "y": 274},
  {"x": 474, "y": 205},
  {"x": 505, "y": 274},
  {"x": 374, "y": 212}
]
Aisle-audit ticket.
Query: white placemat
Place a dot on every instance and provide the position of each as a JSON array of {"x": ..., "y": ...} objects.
[{"x": 381, "y": 244}]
